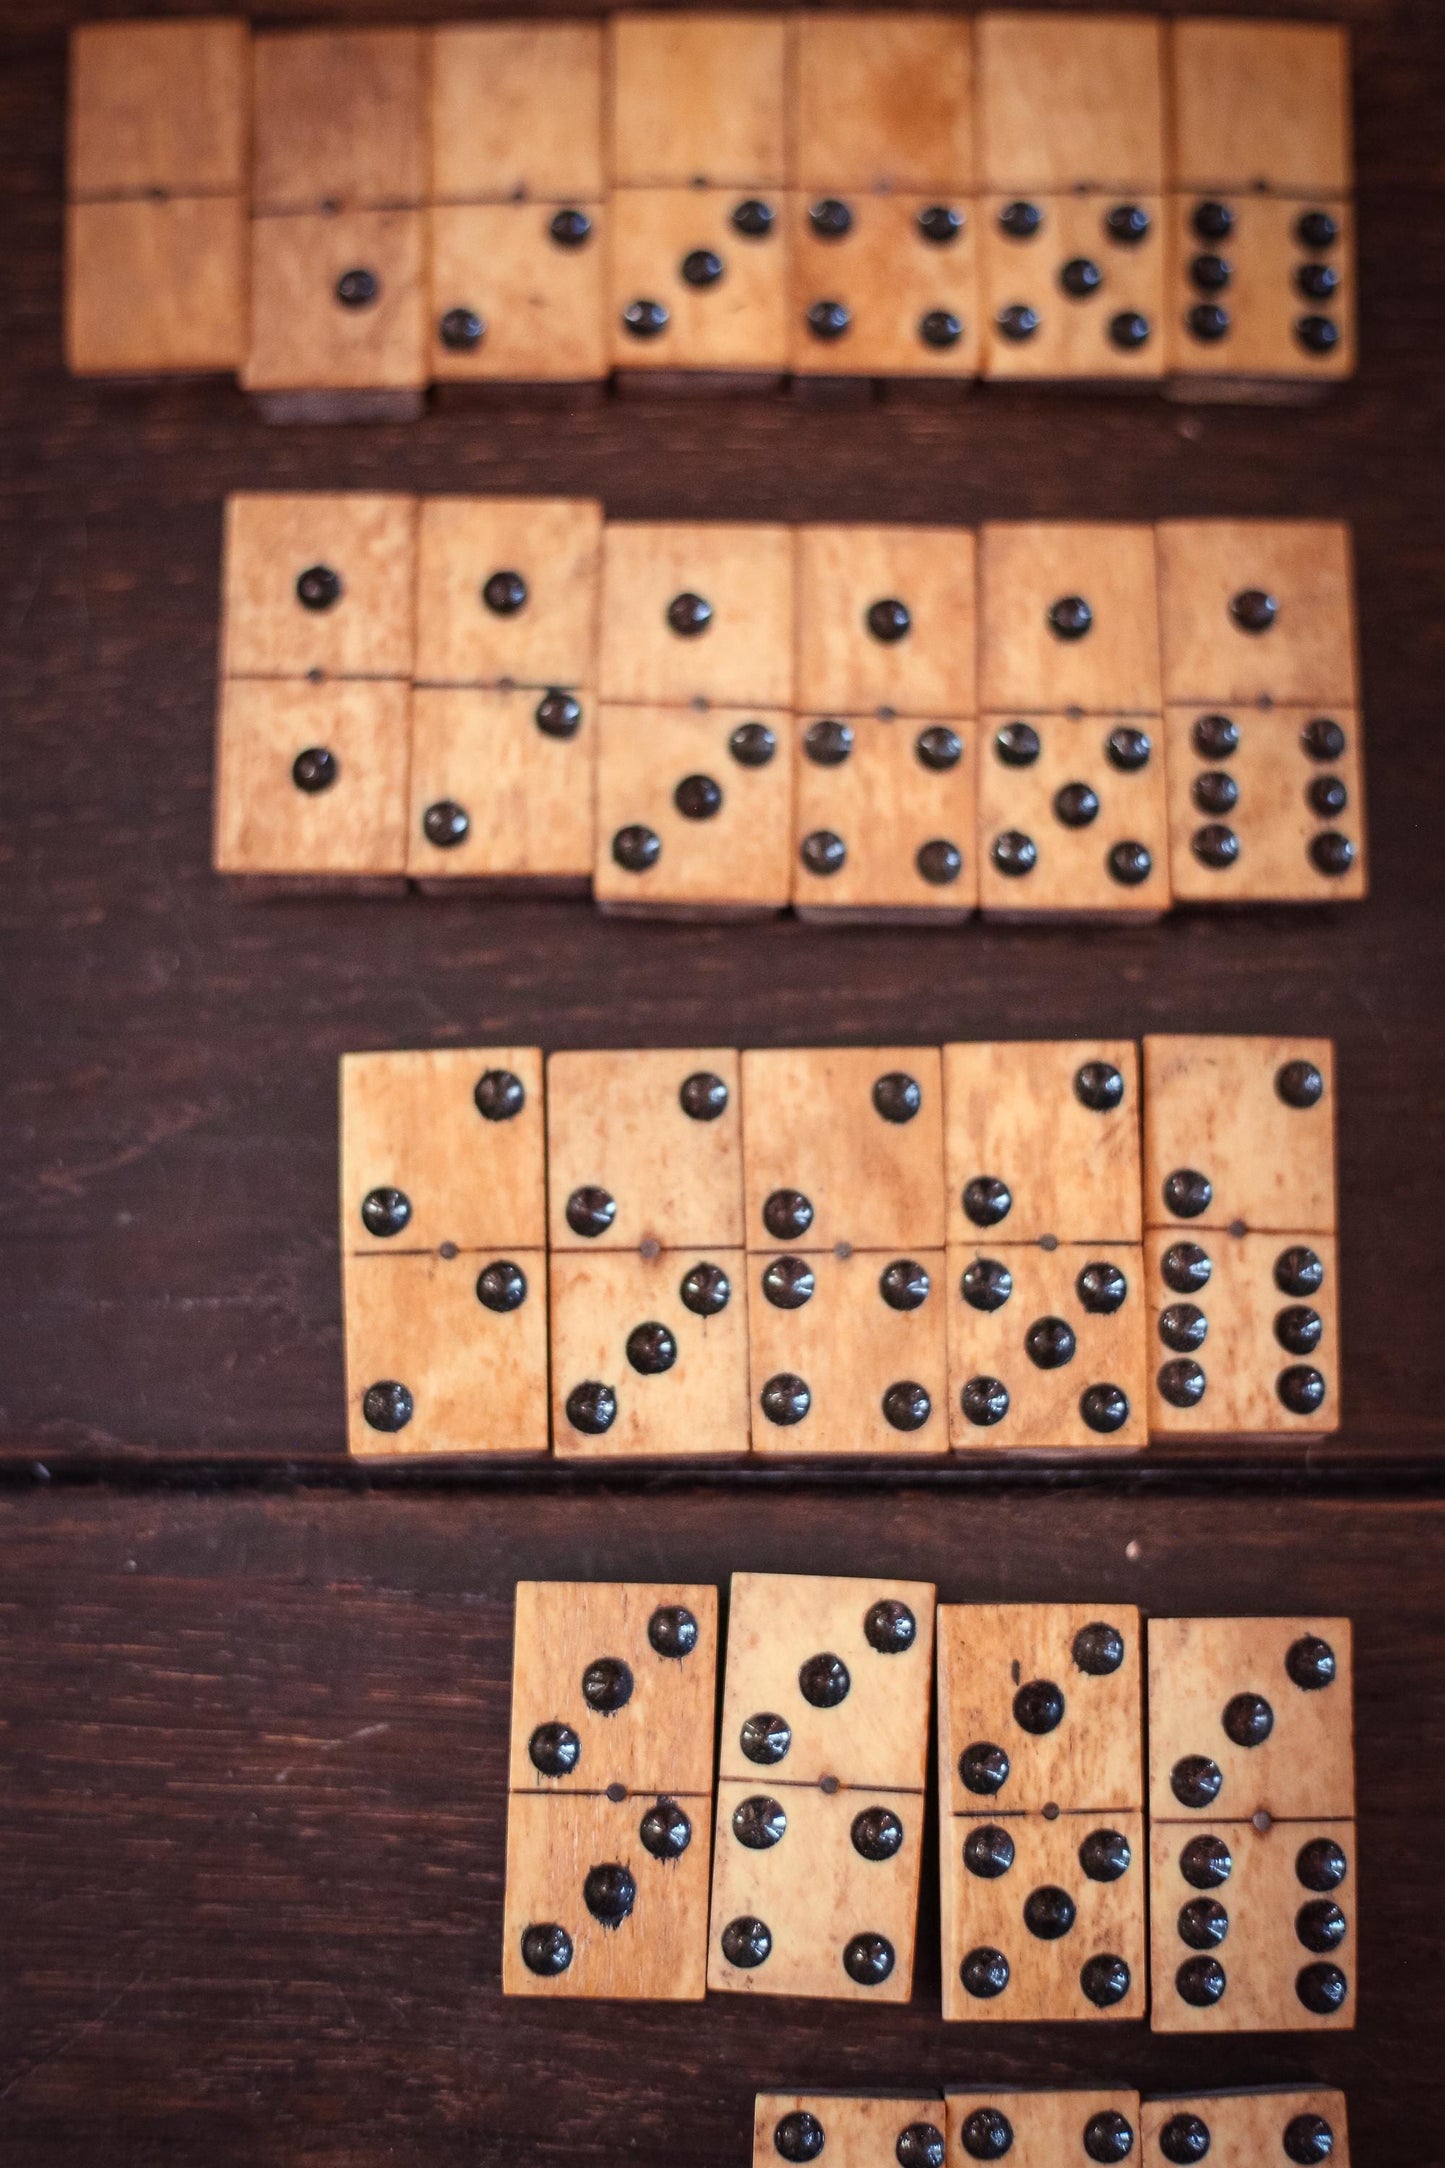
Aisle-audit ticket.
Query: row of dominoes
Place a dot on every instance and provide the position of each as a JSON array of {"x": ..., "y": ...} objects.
[
  {"x": 1271, "y": 2127},
  {"x": 888, "y": 1250},
  {"x": 880, "y": 722},
  {"x": 1245, "y": 1835},
  {"x": 354, "y": 213}
]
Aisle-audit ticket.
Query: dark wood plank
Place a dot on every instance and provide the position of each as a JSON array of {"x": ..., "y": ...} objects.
[
  {"x": 167, "y": 1063},
  {"x": 251, "y": 1840}
]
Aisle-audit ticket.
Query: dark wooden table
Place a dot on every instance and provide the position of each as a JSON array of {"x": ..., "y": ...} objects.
[
  {"x": 252, "y": 1723},
  {"x": 251, "y": 1868}
]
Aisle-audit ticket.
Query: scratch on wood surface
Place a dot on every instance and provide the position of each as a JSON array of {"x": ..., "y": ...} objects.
[
  {"x": 91, "y": 2025},
  {"x": 329, "y": 1746}
]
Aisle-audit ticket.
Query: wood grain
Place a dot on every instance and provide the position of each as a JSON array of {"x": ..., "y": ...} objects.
[{"x": 256, "y": 1744}]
